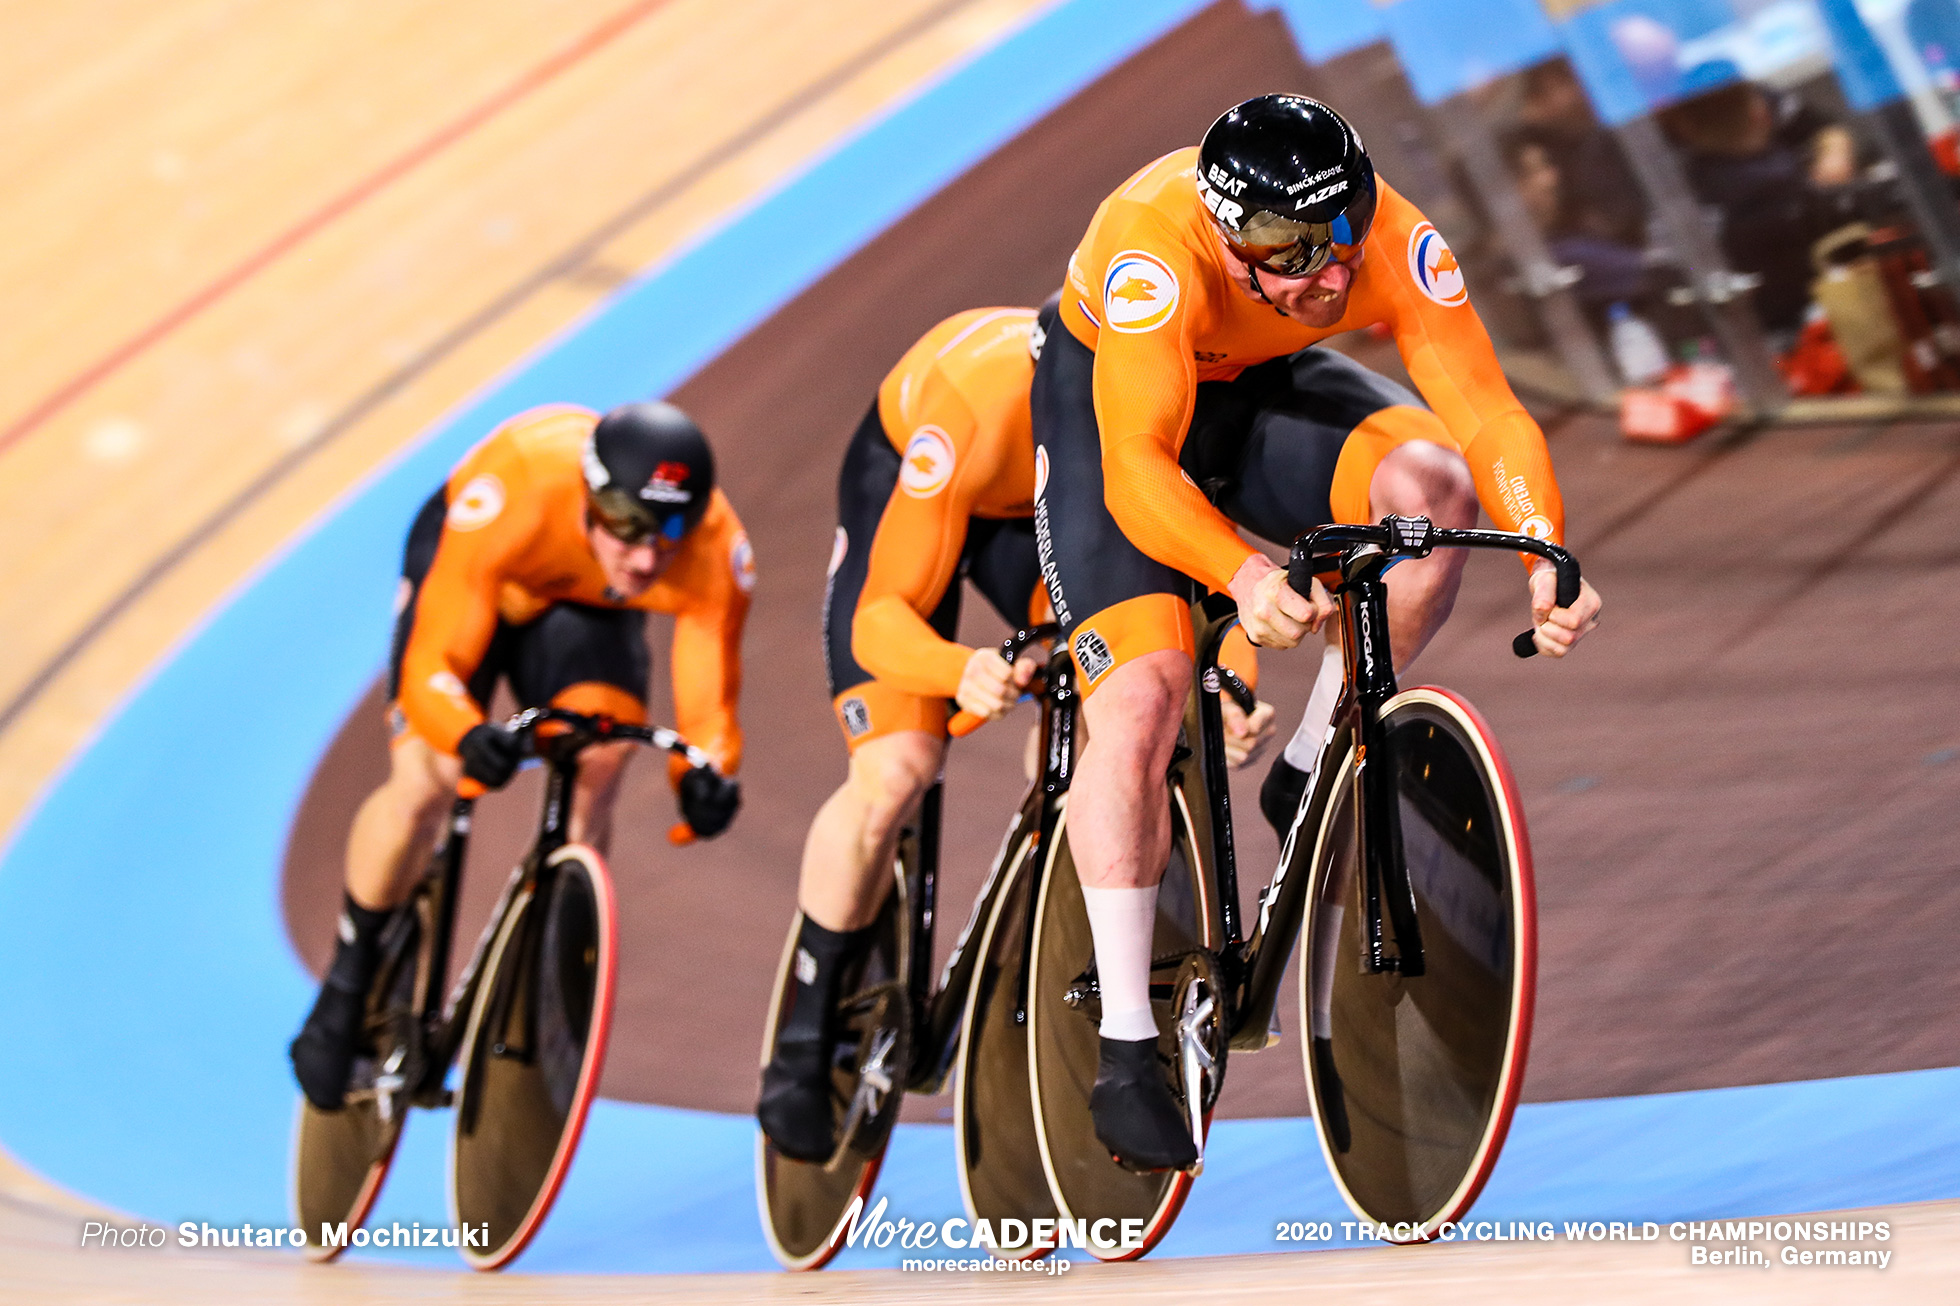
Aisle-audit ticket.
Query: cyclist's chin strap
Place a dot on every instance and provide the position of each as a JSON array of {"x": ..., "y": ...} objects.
[{"x": 1252, "y": 275}]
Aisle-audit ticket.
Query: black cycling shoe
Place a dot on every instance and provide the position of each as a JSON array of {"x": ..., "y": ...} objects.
[
  {"x": 1333, "y": 1102},
  {"x": 323, "y": 1054},
  {"x": 1280, "y": 795},
  {"x": 795, "y": 1107},
  {"x": 1136, "y": 1117}
]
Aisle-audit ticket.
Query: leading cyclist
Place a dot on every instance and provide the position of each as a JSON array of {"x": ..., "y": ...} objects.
[
  {"x": 1182, "y": 400},
  {"x": 537, "y": 561},
  {"x": 938, "y": 484}
]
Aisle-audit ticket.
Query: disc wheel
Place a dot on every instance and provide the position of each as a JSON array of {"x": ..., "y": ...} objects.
[
  {"x": 1064, "y": 1009},
  {"x": 341, "y": 1158},
  {"x": 806, "y": 1205},
  {"x": 1001, "y": 1175},
  {"x": 532, "y": 1053},
  {"x": 1413, "y": 1079}
]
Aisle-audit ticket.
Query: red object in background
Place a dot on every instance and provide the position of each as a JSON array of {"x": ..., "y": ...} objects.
[
  {"x": 1816, "y": 366},
  {"x": 1691, "y": 398},
  {"x": 1946, "y": 151}
]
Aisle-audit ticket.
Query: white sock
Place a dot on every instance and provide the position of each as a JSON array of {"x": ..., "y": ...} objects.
[
  {"x": 1303, "y": 750},
  {"x": 1124, "y": 923}
]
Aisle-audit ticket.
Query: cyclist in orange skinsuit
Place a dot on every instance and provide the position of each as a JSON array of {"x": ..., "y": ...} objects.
[
  {"x": 938, "y": 483},
  {"x": 538, "y": 561},
  {"x": 1183, "y": 400}
]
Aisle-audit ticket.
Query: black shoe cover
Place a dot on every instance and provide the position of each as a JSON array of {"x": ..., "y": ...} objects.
[
  {"x": 795, "y": 1107},
  {"x": 323, "y": 1054},
  {"x": 1136, "y": 1117},
  {"x": 1280, "y": 795}
]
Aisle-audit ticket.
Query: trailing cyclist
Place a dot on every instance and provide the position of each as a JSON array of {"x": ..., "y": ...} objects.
[
  {"x": 939, "y": 482},
  {"x": 1180, "y": 401},
  {"x": 537, "y": 561}
]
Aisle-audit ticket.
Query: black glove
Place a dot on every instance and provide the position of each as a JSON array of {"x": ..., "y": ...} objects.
[
  {"x": 709, "y": 801},
  {"x": 490, "y": 754}
]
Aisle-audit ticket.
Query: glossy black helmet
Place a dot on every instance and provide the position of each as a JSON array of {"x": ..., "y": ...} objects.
[
  {"x": 648, "y": 472},
  {"x": 1286, "y": 181}
]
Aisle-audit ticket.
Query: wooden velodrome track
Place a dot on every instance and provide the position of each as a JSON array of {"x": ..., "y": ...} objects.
[{"x": 237, "y": 292}]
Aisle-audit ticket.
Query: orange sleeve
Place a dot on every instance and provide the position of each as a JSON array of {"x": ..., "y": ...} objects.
[
  {"x": 1450, "y": 358},
  {"x": 1238, "y": 654},
  {"x": 913, "y": 559},
  {"x": 456, "y": 608},
  {"x": 707, "y": 647},
  {"x": 1145, "y": 384}
]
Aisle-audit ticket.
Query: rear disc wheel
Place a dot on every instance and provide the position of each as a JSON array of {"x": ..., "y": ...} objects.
[
  {"x": 1001, "y": 1175},
  {"x": 806, "y": 1205},
  {"x": 341, "y": 1158},
  {"x": 1064, "y": 1008}
]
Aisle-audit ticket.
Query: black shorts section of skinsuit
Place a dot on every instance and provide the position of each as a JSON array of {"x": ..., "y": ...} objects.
[
  {"x": 569, "y": 644},
  {"x": 1262, "y": 447},
  {"x": 998, "y": 557}
]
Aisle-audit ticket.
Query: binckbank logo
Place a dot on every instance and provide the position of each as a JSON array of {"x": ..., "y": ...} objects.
[
  {"x": 1139, "y": 292},
  {"x": 1434, "y": 267}
]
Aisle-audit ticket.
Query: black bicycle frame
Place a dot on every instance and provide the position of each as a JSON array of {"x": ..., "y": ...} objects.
[
  {"x": 1359, "y": 556},
  {"x": 438, "y": 1026},
  {"x": 941, "y": 1008}
]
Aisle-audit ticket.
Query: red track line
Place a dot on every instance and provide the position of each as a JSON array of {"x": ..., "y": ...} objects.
[{"x": 599, "y": 37}]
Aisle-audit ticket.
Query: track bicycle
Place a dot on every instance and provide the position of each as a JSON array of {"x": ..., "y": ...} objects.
[
  {"x": 1408, "y": 863},
  {"x": 526, "y": 1024},
  {"x": 901, "y": 1032}
]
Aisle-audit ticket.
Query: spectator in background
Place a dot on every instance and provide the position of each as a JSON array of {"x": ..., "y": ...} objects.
[
  {"x": 1601, "y": 199},
  {"x": 1778, "y": 172},
  {"x": 1610, "y": 271}
]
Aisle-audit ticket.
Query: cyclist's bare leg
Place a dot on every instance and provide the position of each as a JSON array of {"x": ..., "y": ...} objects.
[
  {"x": 386, "y": 849},
  {"x": 388, "y": 846},
  {"x": 1119, "y": 832},
  {"x": 846, "y": 875},
  {"x": 1119, "y": 824},
  {"x": 600, "y": 768},
  {"x": 1420, "y": 479},
  {"x": 847, "y": 855},
  {"x": 1416, "y": 479}
]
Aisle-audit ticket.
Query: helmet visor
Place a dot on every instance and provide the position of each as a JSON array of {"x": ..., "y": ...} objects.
[
  {"x": 1291, "y": 249},
  {"x": 632, "y": 520}
]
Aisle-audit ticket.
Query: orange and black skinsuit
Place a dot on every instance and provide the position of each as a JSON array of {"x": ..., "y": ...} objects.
[
  {"x": 937, "y": 483},
  {"x": 1175, "y": 406},
  {"x": 498, "y": 579}
]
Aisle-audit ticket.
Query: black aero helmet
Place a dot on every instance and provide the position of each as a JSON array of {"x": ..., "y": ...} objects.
[
  {"x": 648, "y": 472},
  {"x": 1286, "y": 180}
]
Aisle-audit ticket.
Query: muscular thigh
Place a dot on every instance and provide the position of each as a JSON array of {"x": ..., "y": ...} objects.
[
  {"x": 585, "y": 658},
  {"x": 1321, "y": 424},
  {"x": 1001, "y": 561}
]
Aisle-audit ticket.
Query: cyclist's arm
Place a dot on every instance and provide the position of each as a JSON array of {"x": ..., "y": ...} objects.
[
  {"x": 1450, "y": 358},
  {"x": 914, "y": 557},
  {"x": 455, "y": 617},
  {"x": 707, "y": 648},
  {"x": 1145, "y": 385}
]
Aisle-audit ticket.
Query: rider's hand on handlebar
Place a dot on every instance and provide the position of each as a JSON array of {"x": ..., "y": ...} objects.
[
  {"x": 1271, "y": 612},
  {"x": 709, "y": 800},
  {"x": 991, "y": 684},
  {"x": 1559, "y": 629},
  {"x": 1244, "y": 736},
  {"x": 490, "y": 754}
]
